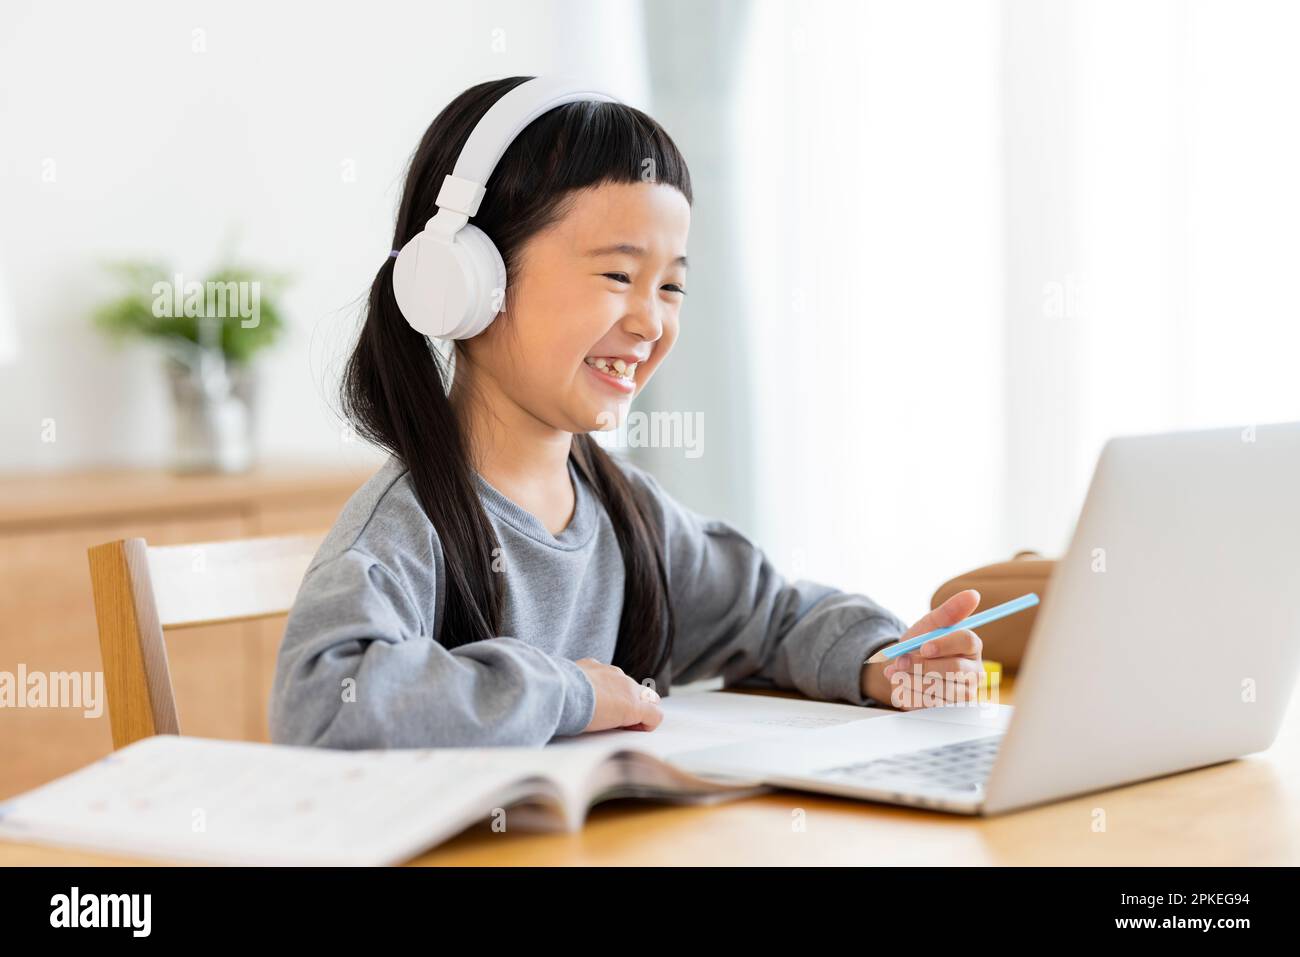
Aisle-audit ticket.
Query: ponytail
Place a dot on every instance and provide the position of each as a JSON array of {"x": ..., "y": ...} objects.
[{"x": 395, "y": 389}]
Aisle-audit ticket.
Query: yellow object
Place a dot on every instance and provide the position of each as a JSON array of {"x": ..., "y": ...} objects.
[{"x": 992, "y": 674}]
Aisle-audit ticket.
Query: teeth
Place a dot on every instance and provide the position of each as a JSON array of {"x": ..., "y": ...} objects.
[{"x": 615, "y": 367}]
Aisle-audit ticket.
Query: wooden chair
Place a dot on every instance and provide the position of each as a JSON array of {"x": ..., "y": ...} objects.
[{"x": 142, "y": 591}]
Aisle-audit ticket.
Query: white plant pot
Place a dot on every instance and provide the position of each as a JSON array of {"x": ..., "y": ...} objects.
[{"x": 212, "y": 408}]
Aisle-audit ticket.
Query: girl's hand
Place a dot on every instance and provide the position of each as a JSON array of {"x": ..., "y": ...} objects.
[
  {"x": 954, "y": 658},
  {"x": 620, "y": 701}
]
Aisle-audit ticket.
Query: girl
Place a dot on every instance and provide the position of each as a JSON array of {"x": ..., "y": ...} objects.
[{"x": 502, "y": 580}]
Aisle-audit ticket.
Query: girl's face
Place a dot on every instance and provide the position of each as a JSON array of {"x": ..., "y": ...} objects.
[{"x": 599, "y": 288}]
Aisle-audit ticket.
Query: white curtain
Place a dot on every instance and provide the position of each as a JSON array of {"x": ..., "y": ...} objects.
[
  {"x": 984, "y": 237},
  {"x": 869, "y": 164},
  {"x": 1151, "y": 198}
]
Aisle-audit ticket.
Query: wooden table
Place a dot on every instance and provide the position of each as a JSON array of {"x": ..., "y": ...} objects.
[{"x": 1243, "y": 812}]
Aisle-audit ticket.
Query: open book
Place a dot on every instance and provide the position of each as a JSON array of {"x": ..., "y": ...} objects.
[{"x": 236, "y": 802}]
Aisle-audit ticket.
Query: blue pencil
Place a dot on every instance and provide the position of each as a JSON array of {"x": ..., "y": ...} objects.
[{"x": 974, "y": 621}]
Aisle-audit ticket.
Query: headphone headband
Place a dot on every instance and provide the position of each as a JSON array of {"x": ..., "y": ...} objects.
[{"x": 462, "y": 190}]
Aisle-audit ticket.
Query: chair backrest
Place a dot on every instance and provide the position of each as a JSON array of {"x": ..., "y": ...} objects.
[{"x": 141, "y": 591}]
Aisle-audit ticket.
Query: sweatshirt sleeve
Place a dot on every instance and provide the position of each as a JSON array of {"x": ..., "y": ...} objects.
[
  {"x": 738, "y": 617},
  {"x": 358, "y": 668}
]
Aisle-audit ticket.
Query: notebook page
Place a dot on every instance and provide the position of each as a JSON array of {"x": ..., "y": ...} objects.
[
  {"x": 705, "y": 718},
  {"x": 215, "y": 801}
]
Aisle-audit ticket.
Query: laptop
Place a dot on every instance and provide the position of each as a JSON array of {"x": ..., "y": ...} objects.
[{"x": 1168, "y": 639}]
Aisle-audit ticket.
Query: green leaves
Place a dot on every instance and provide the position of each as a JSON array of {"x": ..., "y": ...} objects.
[{"x": 235, "y": 305}]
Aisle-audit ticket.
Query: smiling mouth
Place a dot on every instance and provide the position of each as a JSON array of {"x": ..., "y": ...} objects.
[
  {"x": 623, "y": 382},
  {"x": 612, "y": 367}
]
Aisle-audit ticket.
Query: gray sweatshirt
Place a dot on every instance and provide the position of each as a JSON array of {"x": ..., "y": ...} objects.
[{"x": 360, "y": 664}]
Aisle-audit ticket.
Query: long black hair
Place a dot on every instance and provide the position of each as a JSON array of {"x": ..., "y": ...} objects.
[{"x": 395, "y": 387}]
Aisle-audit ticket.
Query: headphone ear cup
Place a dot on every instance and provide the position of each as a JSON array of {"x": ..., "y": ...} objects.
[
  {"x": 449, "y": 290},
  {"x": 422, "y": 279},
  {"x": 486, "y": 275}
]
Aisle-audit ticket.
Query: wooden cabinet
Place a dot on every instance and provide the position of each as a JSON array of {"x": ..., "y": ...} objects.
[{"x": 221, "y": 675}]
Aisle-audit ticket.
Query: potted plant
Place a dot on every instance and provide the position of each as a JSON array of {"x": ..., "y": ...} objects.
[{"x": 210, "y": 330}]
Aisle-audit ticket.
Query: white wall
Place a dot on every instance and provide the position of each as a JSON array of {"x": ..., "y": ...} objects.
[{"x": 158, "y": 150}]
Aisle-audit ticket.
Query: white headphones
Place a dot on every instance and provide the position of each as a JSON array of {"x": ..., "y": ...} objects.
[{"x": 448, "y": 277}]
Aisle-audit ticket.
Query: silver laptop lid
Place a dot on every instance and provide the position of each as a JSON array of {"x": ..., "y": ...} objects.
[{"x": 1169, "y": 637}]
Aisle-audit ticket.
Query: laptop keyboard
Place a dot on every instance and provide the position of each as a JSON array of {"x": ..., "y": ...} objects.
[{"x": 963, "y": 766}]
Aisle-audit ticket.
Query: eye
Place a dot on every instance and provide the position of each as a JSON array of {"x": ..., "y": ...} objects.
[{"x": 624, "y": 278}]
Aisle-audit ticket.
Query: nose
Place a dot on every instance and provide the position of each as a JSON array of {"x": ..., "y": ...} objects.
[{"x": 644, "y": 318}]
